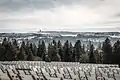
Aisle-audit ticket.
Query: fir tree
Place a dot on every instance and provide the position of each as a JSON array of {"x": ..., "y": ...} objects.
[
  {"x": 77, "y": 50},
  {"x": 116, "y": 53},
  {"x": 60, "y": 50},
  {"x": 107, "y": 49},
  {"x": 91, "y": 54},
  {"x": 67, "y": 51}
]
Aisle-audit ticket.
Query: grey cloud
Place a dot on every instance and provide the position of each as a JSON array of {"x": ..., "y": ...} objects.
[
  {"x": 9, "y": 20},
  {"x": 21, "y": 4},
  {"x": 13, "y": 5},
  {"x": 117, "y": 15},
  {"x": 41, "y": 4}
]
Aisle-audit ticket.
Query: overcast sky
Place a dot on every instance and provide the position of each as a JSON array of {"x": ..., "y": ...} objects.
[{"x": 67, "y": 15}]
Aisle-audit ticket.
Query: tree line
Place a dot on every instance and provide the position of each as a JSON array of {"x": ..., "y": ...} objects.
[{"x": 11, "y": 51}]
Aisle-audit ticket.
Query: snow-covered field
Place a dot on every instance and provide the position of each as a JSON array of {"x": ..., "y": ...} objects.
[{"x": 36, "y": 70}]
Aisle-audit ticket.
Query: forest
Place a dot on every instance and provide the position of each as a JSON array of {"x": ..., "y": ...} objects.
[{"x": 106, "y": 54}]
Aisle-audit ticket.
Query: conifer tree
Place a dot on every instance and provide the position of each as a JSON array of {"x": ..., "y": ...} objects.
[
  {"x": 2, "y": 52},
  {"x": 5, "y": 42},
  {"x": 71, "y": 53},
  {"x": 77, "y": 50},
  {"x": 107, "y": 49},
  {"x": 22, "y": 54},
  {"x": 34, "y": 50},
  {"x": 91, "y": 54},
  {"x": 39, "y": 49},
  {"x": 30, "y": 56},
  {"x": 43, "y": 47},
  {"x": 15, "y": 44},
  {"x": 49, "y": 51},
  {"x": 66, "y": 51},
  {"x": 60, "y": 50},
  {"x": 116, "y": 53},
  {"x": 53, "y": 51}
]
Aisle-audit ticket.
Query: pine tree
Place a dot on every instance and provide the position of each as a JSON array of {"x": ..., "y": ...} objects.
[
  {"x": 49, "y": 51},
  {"x": 22, "y": 54},
  {"x": 116, "y": 53},
  {"x": 15, "y": 49},
  {"x": 60, "y": 50},
  {"x": 83, "y": 49},
  {"x": 15, "y": 43},
  {"x": 71, "y": 53},
  {"x": 34, "y": 50},
  {"x": 41, "y": 50},
  {"x": 53, "y": 52},
  {"x": 30, "y": 56},
  {"x": 8, "y": 50},
  {"x": 2, "y": 52},
  {"x": 5, "y": 42},
  {"x": 66, "y": 51},
  {"x": 91, "y": 54},
  {"x": 31, "y": 47},
  {"x": 107, "y": 49},
  {"x": 77, "y": 50},
  {"x": 23, "y": 45},
  {"x": 98, "y": 56}
]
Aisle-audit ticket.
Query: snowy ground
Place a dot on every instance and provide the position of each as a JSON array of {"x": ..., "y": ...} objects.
[{"x": 36, "y": 70}]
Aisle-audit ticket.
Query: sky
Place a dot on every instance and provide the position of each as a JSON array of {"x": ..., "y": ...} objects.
[{"x": 60, "y": 15}]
